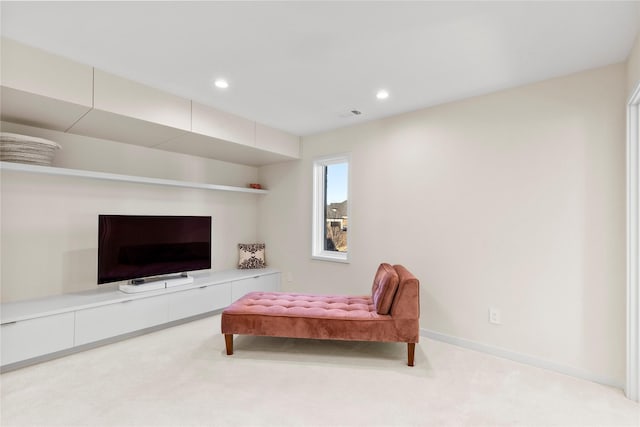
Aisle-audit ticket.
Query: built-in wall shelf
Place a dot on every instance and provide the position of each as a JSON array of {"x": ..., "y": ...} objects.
[{"x": 50, "y": 170}]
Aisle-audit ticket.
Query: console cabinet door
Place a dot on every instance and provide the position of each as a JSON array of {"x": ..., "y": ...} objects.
[
  {"x": 41, "y": 89},
  {"x": 199, "y": 300},
  {"x": 222, "y": 125},
  {"x": 266, "y": 283},
  {"x": 125, "y": 97},
  {"x": 270, "y": 283},
  {"x": 36, "y": 71},
  {"x": 277, "y": 141},
  {"x": 35, "y": 337},
  {"x": 94, "y": 324}
]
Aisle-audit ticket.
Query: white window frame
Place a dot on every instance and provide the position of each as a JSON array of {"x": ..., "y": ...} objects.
[
  {"x": 632, "y": 384},
  {"x": 318, "y": 225}
]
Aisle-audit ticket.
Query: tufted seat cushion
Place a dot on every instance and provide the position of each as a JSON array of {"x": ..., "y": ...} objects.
[{"x": 306, "y": 305}]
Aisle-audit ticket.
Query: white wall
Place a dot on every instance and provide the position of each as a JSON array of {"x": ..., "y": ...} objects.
[
  {"x": 633, "y": 64},
  {"x": 513, "y": 200},
  {"x": 48, "y": 226}
]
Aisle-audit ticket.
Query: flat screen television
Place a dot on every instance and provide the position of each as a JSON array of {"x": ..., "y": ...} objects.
[{"x": 134, "y": 247}]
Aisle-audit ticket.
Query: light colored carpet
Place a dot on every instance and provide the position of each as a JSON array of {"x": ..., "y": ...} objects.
[{"x": 181, "y": 376}]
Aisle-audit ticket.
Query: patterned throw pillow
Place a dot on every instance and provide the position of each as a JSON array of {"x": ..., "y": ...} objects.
[{"x": 251, "y": 255}]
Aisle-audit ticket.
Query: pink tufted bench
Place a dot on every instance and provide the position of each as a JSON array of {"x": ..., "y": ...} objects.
[{"x": 390, "y": 314}]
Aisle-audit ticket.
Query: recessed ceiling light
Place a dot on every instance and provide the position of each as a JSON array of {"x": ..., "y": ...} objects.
[
  {"x": 221, "y": 83},
  {"x": 382, "y": 94}
]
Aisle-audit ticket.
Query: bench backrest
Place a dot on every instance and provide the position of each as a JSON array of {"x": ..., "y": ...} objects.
[{"x": 406, "y": 303}]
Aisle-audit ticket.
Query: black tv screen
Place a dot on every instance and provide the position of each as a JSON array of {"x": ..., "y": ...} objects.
[{"x": 139, "y": 246}]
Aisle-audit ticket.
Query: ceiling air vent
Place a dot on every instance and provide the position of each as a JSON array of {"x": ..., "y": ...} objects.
[{"x": 351, "y": 113}]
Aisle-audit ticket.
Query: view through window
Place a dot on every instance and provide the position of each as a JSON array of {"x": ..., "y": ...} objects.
[{"x": 336, "y": 207}]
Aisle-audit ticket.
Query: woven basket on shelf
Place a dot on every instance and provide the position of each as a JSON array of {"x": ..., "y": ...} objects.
[{"x": 26, "y": 149}]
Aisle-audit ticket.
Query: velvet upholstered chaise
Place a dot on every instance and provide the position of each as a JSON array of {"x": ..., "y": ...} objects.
[{"x": 390, "y": 314}]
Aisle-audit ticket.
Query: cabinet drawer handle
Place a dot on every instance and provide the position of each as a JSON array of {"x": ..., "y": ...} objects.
[
  {"x": 10, "y": 323},
  {"x": 126, "y": 301},
  {"x": 203, "y": 287},
  {"x": 256, "y": 277}
]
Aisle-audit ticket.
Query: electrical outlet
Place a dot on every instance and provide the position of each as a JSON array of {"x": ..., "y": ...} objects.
[
  {"x": 494, "y": 316},
  {"x": 289, "y": 277}
]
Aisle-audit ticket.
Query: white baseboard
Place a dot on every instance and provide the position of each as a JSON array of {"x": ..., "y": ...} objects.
[{"x": 520, "y": 358}]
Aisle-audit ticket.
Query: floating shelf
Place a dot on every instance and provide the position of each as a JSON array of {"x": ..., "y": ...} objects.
[{"x": 50, "y": 170}]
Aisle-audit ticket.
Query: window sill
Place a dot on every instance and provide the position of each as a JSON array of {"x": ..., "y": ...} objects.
[{"x": 332, "y": 257}]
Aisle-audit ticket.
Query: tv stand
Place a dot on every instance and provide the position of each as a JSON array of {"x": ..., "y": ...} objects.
[
  {"x": 41, "y": 329},
  {"x": 153, "y": 284}
]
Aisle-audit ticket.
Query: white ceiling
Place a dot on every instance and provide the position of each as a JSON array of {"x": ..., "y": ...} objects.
[{"x": 302, "y": 66}]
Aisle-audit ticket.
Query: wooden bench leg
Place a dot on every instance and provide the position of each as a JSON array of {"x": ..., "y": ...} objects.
[
  {"x": 228, "y": 340},
  {"x": 411, "y": 351}
]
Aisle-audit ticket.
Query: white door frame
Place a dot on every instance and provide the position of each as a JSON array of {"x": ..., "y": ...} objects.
[{"x": 632, "y": 387}]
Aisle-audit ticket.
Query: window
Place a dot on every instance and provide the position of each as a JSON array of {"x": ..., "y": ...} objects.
[{"x": 331, "y": 208}]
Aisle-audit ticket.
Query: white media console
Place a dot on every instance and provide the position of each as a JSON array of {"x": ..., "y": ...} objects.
[{"x": 40, "y": 329}]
